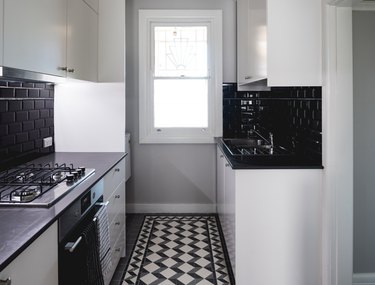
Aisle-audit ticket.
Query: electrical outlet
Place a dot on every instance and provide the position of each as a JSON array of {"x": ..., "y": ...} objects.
[{"x": 47, "y": 142}]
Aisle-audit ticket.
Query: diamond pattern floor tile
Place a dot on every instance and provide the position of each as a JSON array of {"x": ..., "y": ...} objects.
[{"x": 179, "y": 250}]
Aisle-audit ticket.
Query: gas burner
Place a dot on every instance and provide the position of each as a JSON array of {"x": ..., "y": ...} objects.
[
  {"x": 58, "y": 176},
  {"x": 24, "y": 177},
  {"x": 25, "y": 195}
]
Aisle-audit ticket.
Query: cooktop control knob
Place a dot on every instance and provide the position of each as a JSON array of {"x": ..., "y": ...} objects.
[
  {"x": 82, "y": 168},
  {"x": 75, "y": 173},
  {"x": 79, "y": 171},
  {"x": 69, "y": 178}
]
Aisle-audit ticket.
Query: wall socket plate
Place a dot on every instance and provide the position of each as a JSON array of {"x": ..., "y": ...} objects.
[{"x": 48, "y": 141}]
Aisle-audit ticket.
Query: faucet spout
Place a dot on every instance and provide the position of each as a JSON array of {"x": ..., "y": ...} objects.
[{"x": 271, "y": 139}]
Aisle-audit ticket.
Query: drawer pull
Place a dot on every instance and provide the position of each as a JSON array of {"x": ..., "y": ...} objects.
[
  {"x": 117, "y": 196},
  {"x": 117, "y": 250},
  {"x": 227, "y": 165},
  {"x": 117, "y": 169},
  {"x": 6, "y": 282},
  {"x": 117, "y": 223}
]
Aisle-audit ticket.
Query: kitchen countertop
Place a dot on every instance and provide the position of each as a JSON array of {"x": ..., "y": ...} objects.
[
  {"x": 20, "y": 226},
  {"x": 266, "y": 162}
]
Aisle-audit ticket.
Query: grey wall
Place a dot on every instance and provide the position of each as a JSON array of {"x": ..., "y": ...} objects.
[
  {"x": 172, "y": 177},
  {"x": 364, "y": 141}
]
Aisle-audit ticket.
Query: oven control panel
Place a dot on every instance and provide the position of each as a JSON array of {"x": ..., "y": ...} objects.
[{"x": 76, "y": 211}]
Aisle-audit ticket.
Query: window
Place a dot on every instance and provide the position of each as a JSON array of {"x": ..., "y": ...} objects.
[{"x": 180, "y": 76}]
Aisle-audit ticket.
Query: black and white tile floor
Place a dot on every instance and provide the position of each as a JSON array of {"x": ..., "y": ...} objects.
[{"x": 175, "y": 250}]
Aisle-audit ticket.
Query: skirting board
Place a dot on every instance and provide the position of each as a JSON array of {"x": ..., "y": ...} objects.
[
  {"x": 364, "y": 279},
  {"x": 170, "y": 208}
]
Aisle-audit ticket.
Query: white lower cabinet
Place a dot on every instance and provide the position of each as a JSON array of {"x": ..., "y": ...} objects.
[
  {"x": 114, "y": 193},
  {"x": 272, "y": 224},
  {"x": 38, "y": 263},
  {"x": 226, "y": 203}
]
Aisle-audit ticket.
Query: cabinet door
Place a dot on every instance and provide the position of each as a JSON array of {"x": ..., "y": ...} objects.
[
  {"x": 230, "y": 213},
  {"x": 294, "y": 44},
  {"x": 111, "y": 41},
  {"x": 220, "y": 180},
  {"x": 38, "y": 264},
  {"x": 82, "y": 43},
  {"x": 35, "y": 35},
  {"x": 251, "y": 40}
]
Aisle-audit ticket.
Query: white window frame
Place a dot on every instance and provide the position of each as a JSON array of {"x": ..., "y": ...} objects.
[{"x": 147, "y": 20}]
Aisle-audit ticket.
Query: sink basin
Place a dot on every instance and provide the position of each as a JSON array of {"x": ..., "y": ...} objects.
[
  {"x": 243, "y": 142},
  {"x": 253, "y": 147}
]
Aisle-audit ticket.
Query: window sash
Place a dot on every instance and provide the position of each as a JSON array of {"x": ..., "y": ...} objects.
[{"x": 149, "y": 18}]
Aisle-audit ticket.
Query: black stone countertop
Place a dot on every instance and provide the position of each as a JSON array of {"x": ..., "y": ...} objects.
[
  {"x": 20, "y": 226},
  {"x": 266, "y": 162}
]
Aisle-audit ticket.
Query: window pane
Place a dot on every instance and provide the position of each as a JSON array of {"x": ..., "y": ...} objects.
[
  {"x": 181, "y": 51},
  {"x": 180, "y": 103}
]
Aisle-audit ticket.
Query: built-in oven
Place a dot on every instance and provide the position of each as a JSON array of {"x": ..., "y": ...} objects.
[{"x": 79, "y": 261}]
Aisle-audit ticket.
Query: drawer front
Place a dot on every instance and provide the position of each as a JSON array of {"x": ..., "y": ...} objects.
[
  {"x": 118, "y": 249},
  {"x": 116, "y": 203},
  {"x": 115, "y": 228},
  {"x": 113, "y": 178}
]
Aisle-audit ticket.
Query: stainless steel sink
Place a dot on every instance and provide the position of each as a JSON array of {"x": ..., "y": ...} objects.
[
  {"x": 254, "y": 147},
  {"x": 244, "y": 142}
]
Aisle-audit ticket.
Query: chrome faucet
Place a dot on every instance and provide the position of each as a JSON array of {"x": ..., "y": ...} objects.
[{"x": 271, "y": 139}]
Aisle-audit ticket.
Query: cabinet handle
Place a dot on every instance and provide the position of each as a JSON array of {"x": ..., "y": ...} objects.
[
  {"x": 117, "y": 249},
  {"x": 117, "y": 196},
  {"x": 71, "y": 70},
  {"x": 221, "y": 156},
  {"x": 247, "y": 77},
  {"x": 117, "y": 223},
  {"x": 6, "y": 282},
  {"x": 227, "y": 165},
  {"x": 62, "y": 68},
  {"x": 117, "y": 169}
]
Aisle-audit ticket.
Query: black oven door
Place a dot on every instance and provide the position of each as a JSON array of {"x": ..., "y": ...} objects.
[{"x": 79, "y": 262}]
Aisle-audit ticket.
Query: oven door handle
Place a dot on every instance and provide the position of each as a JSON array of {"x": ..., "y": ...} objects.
[{"x": 71, "y": 246}]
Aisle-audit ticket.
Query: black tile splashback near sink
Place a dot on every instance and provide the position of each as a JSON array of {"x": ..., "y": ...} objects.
[
  {"x": 26, "y": 117},
  {"x": 292, "y": 114}
]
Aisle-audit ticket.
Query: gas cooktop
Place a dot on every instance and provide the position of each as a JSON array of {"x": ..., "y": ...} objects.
[{"x": 37, "y": 185}]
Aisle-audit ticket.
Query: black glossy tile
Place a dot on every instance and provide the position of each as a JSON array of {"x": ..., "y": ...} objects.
[
  {"x": 21, "y": 93},
  {"x": 15, "y": 105},
  {"x": 33, "y": 93},
  {"x": 24, "y": 121},
  {"x": 6, "y": 92}
]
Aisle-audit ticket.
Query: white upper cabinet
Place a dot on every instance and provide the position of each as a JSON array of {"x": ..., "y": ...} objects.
[
  {"x": 82, "y": 42},
  {"x": 35, "y": 35},
  {"x": 55, "y": 37},
  {"x": 294, "y": 43},
  {"x": 111, "y": 41},
  {"x": 252, "y": 40},
  {"x": 280, "y": 41}
]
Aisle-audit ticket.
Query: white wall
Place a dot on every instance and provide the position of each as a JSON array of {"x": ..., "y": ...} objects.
[
  {"x": 90, "y": 117},
  {"x": 364, "y": 141},
  {"x": 338, "y": 147},
  {"x": 178, "y": 178}
]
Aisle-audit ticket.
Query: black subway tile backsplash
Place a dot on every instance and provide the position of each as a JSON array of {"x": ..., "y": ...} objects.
[
  {"x": 292, "y": 114},
  {"x": 26, "y": 117}
]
